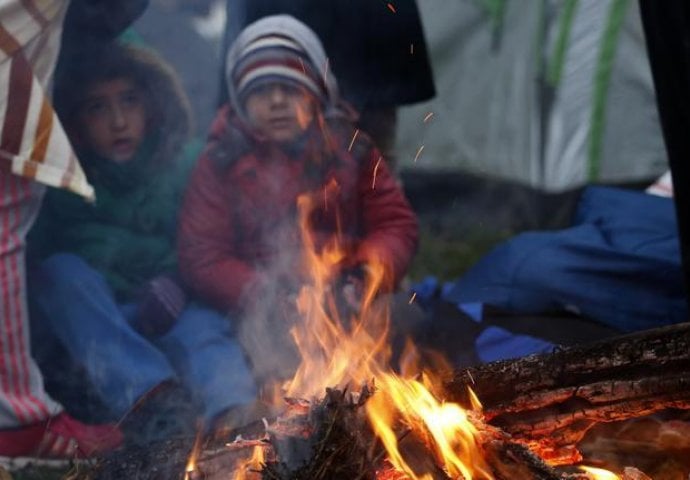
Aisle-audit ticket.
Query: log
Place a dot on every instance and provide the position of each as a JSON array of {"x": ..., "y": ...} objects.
[
  {"x": 503, "y": 459},
  {"x": 549, "y": 401}
]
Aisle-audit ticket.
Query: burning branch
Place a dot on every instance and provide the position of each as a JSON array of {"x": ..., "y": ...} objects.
[{"x": 550, "y": 401}]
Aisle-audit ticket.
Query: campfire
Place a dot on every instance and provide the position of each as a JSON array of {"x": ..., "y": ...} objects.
[
  {"x": 348, "y": 414},
  {"x": 367, "y": 407}
]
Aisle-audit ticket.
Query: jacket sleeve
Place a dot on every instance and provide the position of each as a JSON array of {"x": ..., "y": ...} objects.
[
  {"x": 88, "y": 21},
  {"x": 208, "y": 262},
  {"x": 390, "y": 230}
]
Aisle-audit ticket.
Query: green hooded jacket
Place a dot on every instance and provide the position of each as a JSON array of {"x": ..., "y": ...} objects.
[{"x": 128, "y": 234}]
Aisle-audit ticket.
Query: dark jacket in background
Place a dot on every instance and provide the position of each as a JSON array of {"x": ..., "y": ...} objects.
[
  {"x": 171, "y": 33},
  {"x": 378, "y": 56},
  {"x": 91, "y": 23},
  {"x": 667, "y": 32}
]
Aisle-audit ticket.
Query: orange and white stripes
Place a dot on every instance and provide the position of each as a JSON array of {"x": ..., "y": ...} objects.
[{"x": 33, "y": 144}]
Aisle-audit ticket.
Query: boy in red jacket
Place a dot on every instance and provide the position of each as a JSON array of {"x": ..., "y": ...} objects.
[{"x": 284, "y": 132}]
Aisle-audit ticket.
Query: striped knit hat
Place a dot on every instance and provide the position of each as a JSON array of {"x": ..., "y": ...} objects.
[{"x": 275, "y": 58}]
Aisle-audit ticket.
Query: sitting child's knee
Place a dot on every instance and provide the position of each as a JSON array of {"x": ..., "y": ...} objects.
[{"x": 64, "y": 267}]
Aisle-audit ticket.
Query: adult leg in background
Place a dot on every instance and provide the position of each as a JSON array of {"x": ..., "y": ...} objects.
[
  {"x": 31, "y": 422},
  {"x": 23, "y": 399}
]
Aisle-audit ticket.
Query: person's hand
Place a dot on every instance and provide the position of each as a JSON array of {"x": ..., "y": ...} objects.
[
  {"x": 351, "y": 289},
  {"x": 162, "y": 302},
  {"x": 286, "y": 308},
  {"x": 351, "y": 293}
]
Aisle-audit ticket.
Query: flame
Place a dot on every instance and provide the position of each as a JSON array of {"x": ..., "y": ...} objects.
[
  {"x": 474, "y": 400},
  {"x": 599, "y": 473},
  {"x": 337, "y": 352},
  {"x": 450, "y": 434},
  {"x": 190, "y": 468},
  {"x": 334, "y": 351},
  {"x": 193, "y": 456},
  {"x": 246, "y": 468}
]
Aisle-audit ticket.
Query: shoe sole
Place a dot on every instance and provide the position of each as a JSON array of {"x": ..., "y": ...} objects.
[{"x": 12, "y": 464}]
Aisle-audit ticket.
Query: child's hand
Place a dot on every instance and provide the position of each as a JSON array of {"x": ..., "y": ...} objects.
[
  {"x": 163, "y": 301},
  {"x": 352, "y": 295},
  {"x": 351, "y": 287},
  {"x": 287, "y": 308}
]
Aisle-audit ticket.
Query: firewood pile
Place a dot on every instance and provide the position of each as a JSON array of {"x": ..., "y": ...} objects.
[
  {"x": 621, "y": 404},
  {"x": 551, "y": 401},
  {"x": 331, "y": 440}
]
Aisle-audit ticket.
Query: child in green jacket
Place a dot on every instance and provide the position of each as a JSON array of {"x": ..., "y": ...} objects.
[{"x": 106, "y": 290}]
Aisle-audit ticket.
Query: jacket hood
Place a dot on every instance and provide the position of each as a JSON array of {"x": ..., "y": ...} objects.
[
  {"x": 168, "y": 110},
  {"x": 297, "y": 31}
]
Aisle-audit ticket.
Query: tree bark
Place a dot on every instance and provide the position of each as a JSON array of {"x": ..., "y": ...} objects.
[{"x": 549, "y": 401}]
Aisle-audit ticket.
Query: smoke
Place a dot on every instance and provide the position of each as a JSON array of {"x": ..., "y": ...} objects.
[{"x": 264, "y": 330}]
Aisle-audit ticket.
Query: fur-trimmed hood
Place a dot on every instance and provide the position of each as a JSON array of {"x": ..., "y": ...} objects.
[{"x": 168, "y": 110}]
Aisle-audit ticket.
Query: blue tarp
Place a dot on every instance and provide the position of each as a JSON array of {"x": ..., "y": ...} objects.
[{"x": 619, "y": 265}]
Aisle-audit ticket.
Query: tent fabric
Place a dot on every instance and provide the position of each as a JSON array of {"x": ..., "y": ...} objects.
[
  {"x": 619, "y": 264},
  {"x": 550, "y": 94}
]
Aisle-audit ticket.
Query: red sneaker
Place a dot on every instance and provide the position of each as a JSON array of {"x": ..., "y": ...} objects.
[{"x": 59, "y": 437}]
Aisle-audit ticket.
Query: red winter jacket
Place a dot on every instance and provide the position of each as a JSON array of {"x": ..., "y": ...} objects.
[{"x": 239, "y": 211}]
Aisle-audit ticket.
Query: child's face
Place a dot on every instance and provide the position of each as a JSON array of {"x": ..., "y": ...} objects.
[
  {"x": 113, "y": 119},
  {"x": 280, "y": 111}
]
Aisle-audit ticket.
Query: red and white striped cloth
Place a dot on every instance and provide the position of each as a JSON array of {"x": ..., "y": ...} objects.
[{"x": 33, "y": 143}]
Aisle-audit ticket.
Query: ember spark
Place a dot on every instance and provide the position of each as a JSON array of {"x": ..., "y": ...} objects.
[
  {"x": 352, "y": 142},
  {"x": 376, "y": 169},
  {"x": 419, "y": 152}
]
